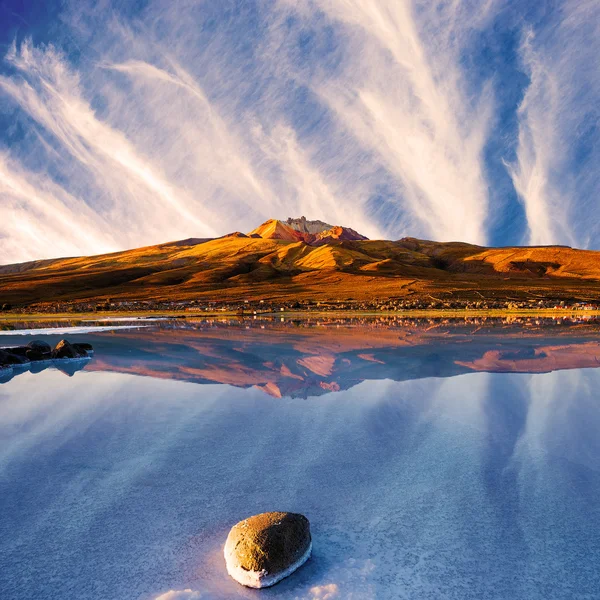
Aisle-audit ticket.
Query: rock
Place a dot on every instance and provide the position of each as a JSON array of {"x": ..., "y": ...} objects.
[
  {"x": 36, "y": 356},
  {"x": 9, "y": 358},
  {"x": 265, "y": 548},
  {"x": 64, "y": 349},
  {"x": 42, "y": 347},
  {"x": 18, "y": 351},
  {"x": 37, "y": 350},
  {"x": 82, "y": 347}
]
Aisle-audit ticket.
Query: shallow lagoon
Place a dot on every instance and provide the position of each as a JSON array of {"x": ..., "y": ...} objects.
[{"x": 430, "y": 464}]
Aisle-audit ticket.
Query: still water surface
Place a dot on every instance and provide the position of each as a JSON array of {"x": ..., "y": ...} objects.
[{"x": 424, "y": 475}]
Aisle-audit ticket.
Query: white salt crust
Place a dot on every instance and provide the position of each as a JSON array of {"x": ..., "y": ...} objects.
[
  {"x": 260, "y": 579},
  {"x": 71, "y": 330}
]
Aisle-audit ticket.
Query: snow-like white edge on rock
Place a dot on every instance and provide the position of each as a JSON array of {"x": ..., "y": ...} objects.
[{"x": 261, "y": 579}]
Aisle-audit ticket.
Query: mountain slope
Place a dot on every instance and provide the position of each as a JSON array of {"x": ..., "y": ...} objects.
[{"x": 272, "y": 263}]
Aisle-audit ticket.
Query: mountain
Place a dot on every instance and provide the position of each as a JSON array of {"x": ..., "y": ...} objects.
[
  {"x": 314, "y": 233},
  {"x": 299, "y": 261}
]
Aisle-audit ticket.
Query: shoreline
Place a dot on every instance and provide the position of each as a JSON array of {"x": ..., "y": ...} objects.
[{"x": 302, "y": 314}]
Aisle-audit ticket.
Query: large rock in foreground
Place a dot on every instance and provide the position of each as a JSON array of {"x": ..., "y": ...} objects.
[{"x": 265, "y": 548}]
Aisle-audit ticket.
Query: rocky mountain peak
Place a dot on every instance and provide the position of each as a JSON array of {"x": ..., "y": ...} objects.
[
  {"x": 305, "y": 226},
  {"x": 315, "y": 233}
]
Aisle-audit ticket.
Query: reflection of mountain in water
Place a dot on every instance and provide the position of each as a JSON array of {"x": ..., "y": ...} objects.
[
  {"x": 314, "y": 360},
  {"x": 317, "y": 361}
]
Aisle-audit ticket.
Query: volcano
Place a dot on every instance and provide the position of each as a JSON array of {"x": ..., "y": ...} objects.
[{"x": 300, "y": 261}]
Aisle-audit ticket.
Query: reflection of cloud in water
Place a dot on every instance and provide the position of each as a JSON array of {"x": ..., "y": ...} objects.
[
  {"x": 324, "y": 592},
  {"x": 480, "y": 484},
  {"x": 556, "y": 463}
]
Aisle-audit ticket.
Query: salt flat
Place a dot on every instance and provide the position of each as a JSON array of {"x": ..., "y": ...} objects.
[{"x": 124, "y": 485}]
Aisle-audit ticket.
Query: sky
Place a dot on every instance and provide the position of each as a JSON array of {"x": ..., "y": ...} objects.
[{"x": 124, "y": 124}]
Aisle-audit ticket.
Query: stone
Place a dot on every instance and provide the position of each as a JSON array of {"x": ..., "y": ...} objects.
[
  {"x": 262, "y": 550},
  {"x": 42, "y": 347},
  {"x": 64, "y": 349},
  {"x": 83, "y": 347},
  {"x": 18, "y": 351},
  {"x": 36, "y": 356},
  {"x": 37, "y": 350},
  {"x": 9, "y": 358}
]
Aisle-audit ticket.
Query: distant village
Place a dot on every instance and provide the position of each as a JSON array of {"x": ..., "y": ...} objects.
[{"x": 270, "y": 306}]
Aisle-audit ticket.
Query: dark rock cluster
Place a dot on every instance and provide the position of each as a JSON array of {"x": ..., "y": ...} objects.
[{"x": 38, "y": 355}]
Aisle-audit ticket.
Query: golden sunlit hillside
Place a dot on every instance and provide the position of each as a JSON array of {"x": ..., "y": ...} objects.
[{"x": 281, "y": 263}]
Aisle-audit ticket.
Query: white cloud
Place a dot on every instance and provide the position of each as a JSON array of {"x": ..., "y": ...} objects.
[
  {"x": 39, "y": 218},
  {"x": 324, "y": 592},
  {"x": 161, "y": 163},
  {"x": 555, "y": 172},
  {"x": 403, "y": 97},
  {"x": 50, "y": 93},
  {"x": 538, "y": 136},
  {"x": 183, "y": 123},
  {"x": 157, "y": 137}
]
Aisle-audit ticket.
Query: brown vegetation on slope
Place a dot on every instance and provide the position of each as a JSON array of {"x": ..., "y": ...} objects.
[{"x": 281, "y": 267}]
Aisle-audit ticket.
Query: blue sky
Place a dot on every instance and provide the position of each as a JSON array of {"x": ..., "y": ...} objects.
[{"x": 125, "y": 124}]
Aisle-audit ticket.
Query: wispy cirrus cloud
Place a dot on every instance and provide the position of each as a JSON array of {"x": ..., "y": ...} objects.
[
  {"x": 40, "y": 218},
  {"x": 559, "y": 139},
  {"x": 195, "y": 119},
  {"x": 49, "y": 92},
  {"x": 404, "y": 96},
  {"x": 161, "y": 163}
]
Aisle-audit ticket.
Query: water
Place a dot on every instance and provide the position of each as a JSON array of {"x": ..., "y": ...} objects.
[{"x": 425, "y": 472}]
